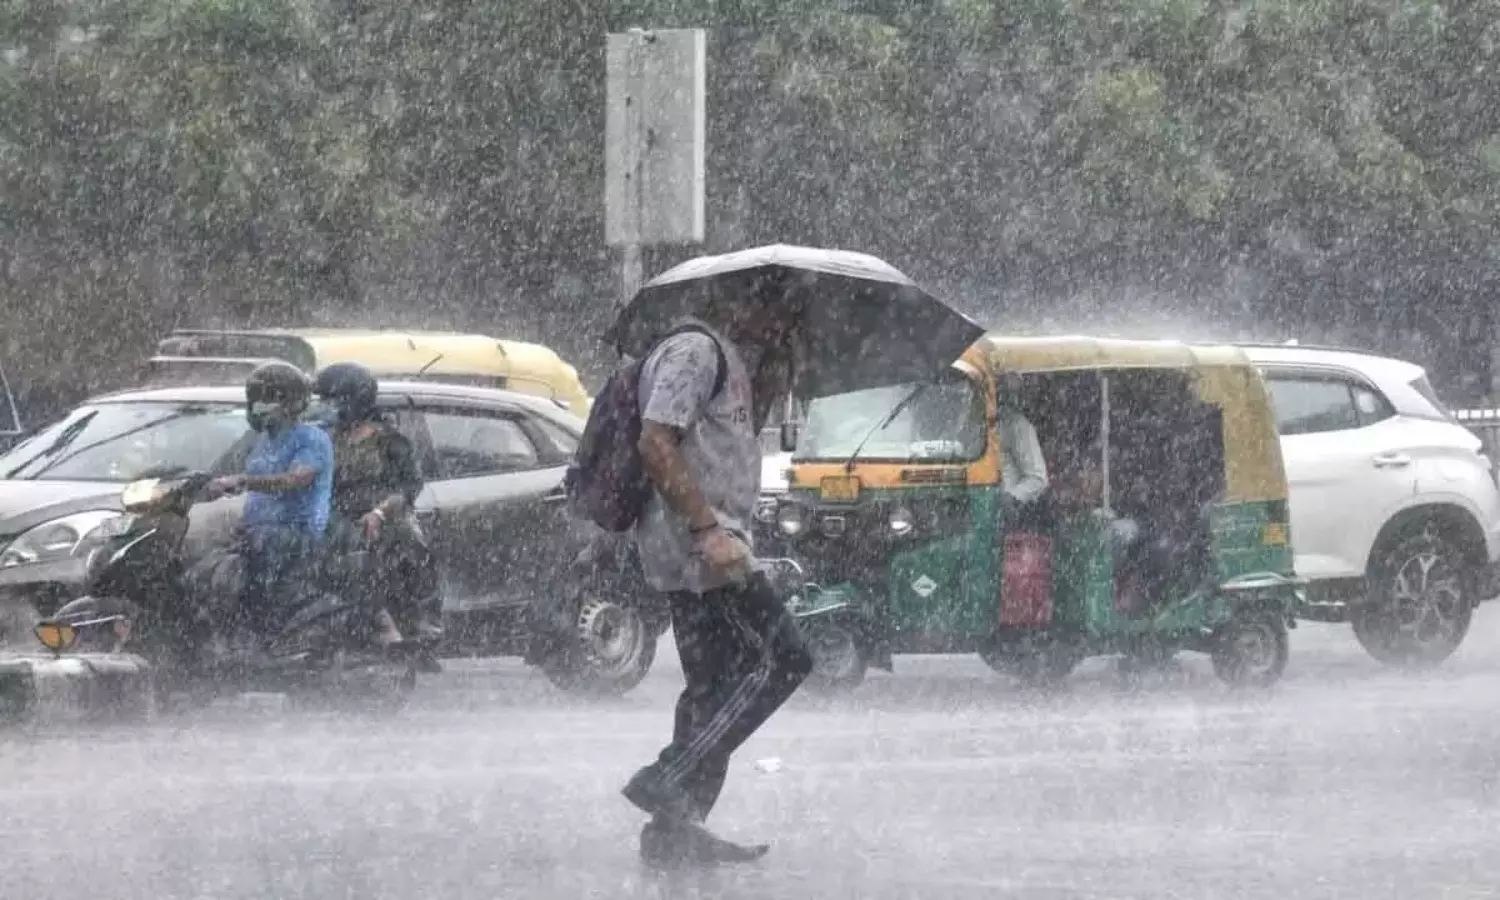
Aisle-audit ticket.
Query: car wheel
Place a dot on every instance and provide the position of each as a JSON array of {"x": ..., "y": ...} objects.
[
  {"x": 612, "y": 653},
  {"x": 1251, "y": 650},
  {"x": 1420, "y": 604},
  {"x": 840, "y": 660}
]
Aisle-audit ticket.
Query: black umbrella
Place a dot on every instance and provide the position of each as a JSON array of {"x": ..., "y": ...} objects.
[{"x": 862, "y": 322}]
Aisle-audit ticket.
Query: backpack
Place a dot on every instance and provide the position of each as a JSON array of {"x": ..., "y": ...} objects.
[{"x": 606, "y": 482}]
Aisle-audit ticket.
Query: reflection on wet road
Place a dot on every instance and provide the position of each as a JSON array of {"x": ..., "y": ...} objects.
[{"x": 942, "y": 781}]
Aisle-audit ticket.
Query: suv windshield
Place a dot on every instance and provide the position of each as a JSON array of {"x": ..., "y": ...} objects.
[
  {"x": 117, "y": 441},
  {"x": 945, "y": 422}
]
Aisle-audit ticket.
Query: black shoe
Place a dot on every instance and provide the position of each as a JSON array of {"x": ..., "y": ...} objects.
[
  {"x": 668, "y": 844},
  {"x": 427, "y": 662},
  {"x": 654, "y": 797}
]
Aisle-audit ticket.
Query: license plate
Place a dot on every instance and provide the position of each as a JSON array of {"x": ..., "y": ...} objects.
[{"x": 839, "y": 489}]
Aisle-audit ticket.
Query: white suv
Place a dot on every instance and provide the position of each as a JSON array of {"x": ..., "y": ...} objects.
[{"x": 1395, "y": 511}]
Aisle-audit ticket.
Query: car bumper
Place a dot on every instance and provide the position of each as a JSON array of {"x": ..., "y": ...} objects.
[{"x": 42, "y": 587}]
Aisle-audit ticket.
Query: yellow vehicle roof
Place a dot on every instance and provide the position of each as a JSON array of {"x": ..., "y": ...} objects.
[
  {"x": 526, "y": 367},
  {"x": 999, "y": 352}
]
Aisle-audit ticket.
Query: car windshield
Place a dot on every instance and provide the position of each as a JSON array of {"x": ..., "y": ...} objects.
[
  {"x": 118, "y": 441},
  {"x": 942, "y": 422}
]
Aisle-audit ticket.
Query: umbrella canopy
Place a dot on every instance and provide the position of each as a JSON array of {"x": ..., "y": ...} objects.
[{"x": 860, "y": 322}]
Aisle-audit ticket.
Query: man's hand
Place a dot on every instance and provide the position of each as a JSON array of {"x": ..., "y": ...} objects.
[
  {"x": 225, "y": 485},
  {"x": 725, "y": 553},
  {"x": 372, "y": 522},
  {"x": 1007, "y": 507}
]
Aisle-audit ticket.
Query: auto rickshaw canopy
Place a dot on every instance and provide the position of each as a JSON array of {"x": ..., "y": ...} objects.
[{"x": 1222, "y": 374}]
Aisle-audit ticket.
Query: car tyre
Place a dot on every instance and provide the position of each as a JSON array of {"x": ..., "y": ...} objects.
[
  {"x": 613, "y": 650},
  {"x": 1421, "y": 601}
]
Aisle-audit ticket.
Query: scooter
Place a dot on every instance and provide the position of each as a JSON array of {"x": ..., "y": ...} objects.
[{"x": 143, "y": 598}]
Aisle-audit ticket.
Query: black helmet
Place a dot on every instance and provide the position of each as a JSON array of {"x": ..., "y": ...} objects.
[
  {"x": 350, "y": 388},
  {"x": 281, "y": 383}
]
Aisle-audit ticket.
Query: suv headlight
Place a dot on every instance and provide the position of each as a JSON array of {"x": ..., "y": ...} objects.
[
  {"x": 54, "y": 540},
  {"x": 901, "y": 522}
]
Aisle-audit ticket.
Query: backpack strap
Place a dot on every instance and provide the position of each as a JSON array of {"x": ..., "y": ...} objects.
[{"x": 721, "y": 375}]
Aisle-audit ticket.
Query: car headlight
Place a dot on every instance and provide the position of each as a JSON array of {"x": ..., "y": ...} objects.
[
  {"x": 54, "y": 540},
  {"x": 901, "y": 522},
  {"x": 790, "y": 520}
]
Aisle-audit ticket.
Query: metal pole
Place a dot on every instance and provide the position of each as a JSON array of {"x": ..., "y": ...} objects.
[
  {"x": 630, "y": 252},
  {"x": 1104, "y": 441}
]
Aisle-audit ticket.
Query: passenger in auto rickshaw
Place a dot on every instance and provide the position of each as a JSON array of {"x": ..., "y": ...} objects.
[
  {"x": 1023, "y": 466},
  {"x": 1165, "y": 469}
]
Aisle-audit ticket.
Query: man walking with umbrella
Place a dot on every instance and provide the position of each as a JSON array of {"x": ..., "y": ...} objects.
[
  {"x": 714, "y": 338},
  {"x": 742, "y": 656}
]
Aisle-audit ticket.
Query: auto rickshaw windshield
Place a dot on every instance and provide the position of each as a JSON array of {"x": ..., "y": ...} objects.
[{"x": 943, "y": 422}]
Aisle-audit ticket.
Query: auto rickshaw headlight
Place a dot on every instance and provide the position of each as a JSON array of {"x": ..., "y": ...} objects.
[
  {"x": 790, "y": 519},
  {"x": 901, "y": 521}
]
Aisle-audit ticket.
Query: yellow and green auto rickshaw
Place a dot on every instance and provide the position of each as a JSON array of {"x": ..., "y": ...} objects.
[{"x": 1163, "y": 525}]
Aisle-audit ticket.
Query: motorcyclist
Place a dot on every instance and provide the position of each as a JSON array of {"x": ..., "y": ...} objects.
[
  {"x": 289, "y": 478},
  {"x": 377, "y": 478}
]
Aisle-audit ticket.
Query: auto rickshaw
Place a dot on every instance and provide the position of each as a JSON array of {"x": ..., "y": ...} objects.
[
  {"x": 192, "y": 354},
  {"x": 1163, "y": 527}
]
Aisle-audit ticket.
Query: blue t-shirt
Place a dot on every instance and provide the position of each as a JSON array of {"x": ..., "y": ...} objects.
[{"x": 306, "y": 510}]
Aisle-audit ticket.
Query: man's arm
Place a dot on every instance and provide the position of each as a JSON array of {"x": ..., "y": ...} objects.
[
  {"x": 679, "y": 388},
  {"x": 284, "y": 483},
  {"x": 406, "y": 475},
  {"x": 314, "y": 455},
  {"x": 1026, "y": 449}
]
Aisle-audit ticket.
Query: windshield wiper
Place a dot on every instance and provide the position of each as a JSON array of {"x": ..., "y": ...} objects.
[
  {"x": 180, "y": 414},
  {"x": 65, "y": 437},
  {"x": 884, "y": 423}
]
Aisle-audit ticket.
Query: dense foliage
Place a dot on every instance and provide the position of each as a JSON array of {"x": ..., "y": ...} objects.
[{"x": 1281, "y": 166}]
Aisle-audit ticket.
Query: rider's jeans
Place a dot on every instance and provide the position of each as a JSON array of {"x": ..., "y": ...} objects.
[{"x": 278, "y": 564}]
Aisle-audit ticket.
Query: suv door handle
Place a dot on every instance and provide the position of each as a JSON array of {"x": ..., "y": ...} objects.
[{"x": 1391, "y": 460}]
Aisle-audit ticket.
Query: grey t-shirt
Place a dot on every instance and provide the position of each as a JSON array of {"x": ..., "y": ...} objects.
[{"x": 720, "y": 448}]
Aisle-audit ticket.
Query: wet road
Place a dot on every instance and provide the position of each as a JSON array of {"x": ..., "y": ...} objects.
[{"x": 940, "y": 782}]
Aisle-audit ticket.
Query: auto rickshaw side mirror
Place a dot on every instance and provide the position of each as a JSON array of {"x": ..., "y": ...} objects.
[{"x": 789, "y": 431}]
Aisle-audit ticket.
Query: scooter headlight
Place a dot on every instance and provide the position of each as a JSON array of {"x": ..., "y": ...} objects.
[
  {"x": 901, "y": 521},
  {"x": 142, "y": 494},
  {"x": 790, "y": 519}
]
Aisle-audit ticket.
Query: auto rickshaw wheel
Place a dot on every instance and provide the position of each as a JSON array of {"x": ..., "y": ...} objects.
[
  {"x": 840, "y": 659},
  {"x": 1421, "y": 603},
  {"x": 1251, "y": 650},
  {"x": 1034, "y": 667}
]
